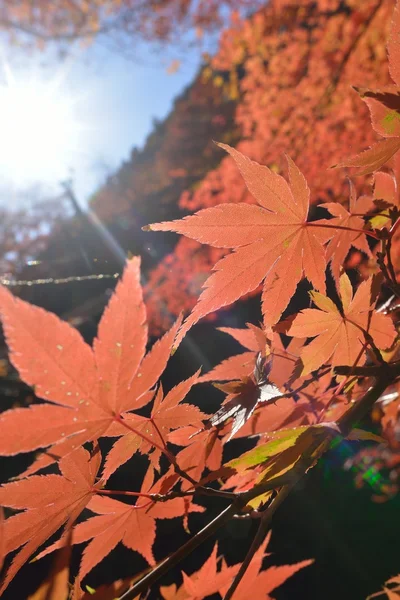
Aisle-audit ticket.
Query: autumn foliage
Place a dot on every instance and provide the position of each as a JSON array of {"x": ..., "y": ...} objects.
[
  {"x": 306, "y": 379},
  {"x": 63, "y": 21},
  {"x": 290, "y": 68}
]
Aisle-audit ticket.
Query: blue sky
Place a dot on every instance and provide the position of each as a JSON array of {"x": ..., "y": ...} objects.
[{"x": 116, "y": 100}]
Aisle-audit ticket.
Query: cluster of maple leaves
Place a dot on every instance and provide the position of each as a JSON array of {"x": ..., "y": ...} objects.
[
  {"x": 285, "y": 395},
  {"x": 292, "y": 65}
]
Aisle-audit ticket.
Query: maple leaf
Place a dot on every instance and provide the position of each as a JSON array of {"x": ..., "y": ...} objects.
[
  {"x": 343, "y": 239},
  {"x": 273, "y": 368},
  {"x": 91, "y": 391},
  {"x": 243, "y": 397},
  {"x": 385, "y": 188},
  {"x": 167, "y": 414},
  {"x": 206, "y": 581},
  {"x": 233, "y": 367},
  {"x": 339, "y": 338},
  {"x": 132, "y": 525},
  {"x": 255, "y": 584},
  {"x": 384, "y": 107},
  {"x": 385, "y": 198},
  {"x": 392, "y": 593},
  {"x": 272, "y": 242},
  {"x": 241, "y": 365},
  {"x": 48, "y": 501},
  {"x": 258, "y": 584},
  {"x": 203, "y": 449},
  {"x": 277, "y": 444},
  {"x": 374, "y": 158},
  {"x": 56, "y": 585}
]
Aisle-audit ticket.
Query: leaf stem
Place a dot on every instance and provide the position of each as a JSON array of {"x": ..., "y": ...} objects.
[
  {"x": 344, "y": 228},
  {"x": 122, "y": 493},
  {"x": 144, "y": 437},
  {"x": 162, "y": 449},
  {"x": 387, "y": 374}
]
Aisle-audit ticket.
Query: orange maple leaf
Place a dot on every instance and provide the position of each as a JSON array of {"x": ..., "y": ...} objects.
[
  {"x": 384, "y": 107},
  {"x": 339, "y": 337},
  {"x": 167, "y": 414},
  {"x": 92, "y": 391},
  {"x": 255, "y": 584},
  {"x": 343, "y": 239},
  {"x": 272, "y": 242},
  {"x": 132, "y": 525},
  {"x": 207, "y": 581},
  {"x": 240, "y": 365},
  {"x": 48, "y": 501}
]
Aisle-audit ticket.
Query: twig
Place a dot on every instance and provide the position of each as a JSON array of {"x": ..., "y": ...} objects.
[
  {"x": 317, "y": 448},
  {"x": 258, "y": 538},
  {"x": 368, "y": 371},
  {"x": 148, "y": 580}
]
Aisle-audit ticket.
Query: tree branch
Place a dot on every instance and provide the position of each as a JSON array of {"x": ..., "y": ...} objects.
[
  {"x": 181, "y": 553},
  {"x": 258, "y": 538},
  {"x": 387, "y": 374}
]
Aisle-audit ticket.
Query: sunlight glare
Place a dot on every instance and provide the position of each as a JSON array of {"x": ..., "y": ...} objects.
[{"x": 39, "y": 131}]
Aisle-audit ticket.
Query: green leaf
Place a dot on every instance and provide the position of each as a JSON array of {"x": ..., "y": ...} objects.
[{"x": 280, "y": 441}]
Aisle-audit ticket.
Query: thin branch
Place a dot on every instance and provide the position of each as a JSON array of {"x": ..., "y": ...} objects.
[
  {"x": 393, "y": 369},
  {"x": 148, "y": 580},
  {"x": 369, "y": 340},
  {"x": 360, "y": 409},
  {"x": 316, "y": 449},
  {"x": 258, "y": 538}
]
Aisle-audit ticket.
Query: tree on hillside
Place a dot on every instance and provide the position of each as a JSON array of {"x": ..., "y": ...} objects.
[
  {"x": 64, "y": 21},
  {"x": 290, "y": 68},
  {"x": 309, "y": 377}
]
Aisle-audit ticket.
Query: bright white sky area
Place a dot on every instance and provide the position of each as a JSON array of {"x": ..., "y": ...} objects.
[{"x": 78, "y": 118}]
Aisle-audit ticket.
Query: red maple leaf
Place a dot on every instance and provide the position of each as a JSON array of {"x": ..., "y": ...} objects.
[
  {"x": 338, "y": 333},
  {"x": 386, "y": 189},
  {"x": 240, "y": 365},
  {"x": 267, "y": 370},
  {"x": 132, "y": 525},
  {"x": 384, "y": 107},
  {"x": 92, "y": 391},
  {"x": 343, "y": 239},
  {"x": 167, "y": 414},
  {"x": 255, "y": 584},
  {"x": 48, "y": 501},
  {"x": 206, "y": 581},
  {"x": 56, "y": 585},
  {"x": 258, "y": 584},
  {"x": 272, "y": 242},
  {"x": 203, "y": 449}
]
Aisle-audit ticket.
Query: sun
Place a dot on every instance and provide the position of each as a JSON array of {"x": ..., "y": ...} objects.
[{"x": 39, "y": 131}]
